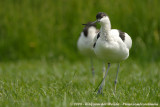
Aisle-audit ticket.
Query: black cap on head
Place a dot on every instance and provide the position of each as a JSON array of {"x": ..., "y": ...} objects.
[
  {"x": 100, "y": 15},
  {"x": 85, "y": 30}
]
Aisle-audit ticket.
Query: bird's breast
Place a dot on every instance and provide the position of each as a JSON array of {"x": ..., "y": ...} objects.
[{"x": 110, "y": 50}]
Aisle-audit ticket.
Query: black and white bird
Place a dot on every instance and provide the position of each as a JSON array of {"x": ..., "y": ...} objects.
[
  {"x": 111, "y": 45},
  {"x": 85, "y": 43}
]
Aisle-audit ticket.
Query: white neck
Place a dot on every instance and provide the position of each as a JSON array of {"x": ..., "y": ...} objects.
[
  {"x": 105, "y": 28},
  {"x": 92, "y": 31}
]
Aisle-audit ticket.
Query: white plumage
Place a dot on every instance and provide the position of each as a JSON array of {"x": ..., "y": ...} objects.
[
  {"x": 85, "y": 43},
  {"x": 112, "y": 48},
  {"x": 111, "y": 45}
]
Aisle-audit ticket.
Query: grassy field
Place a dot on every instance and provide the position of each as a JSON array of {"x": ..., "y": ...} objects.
[
  {"x": 41, "y": 66},
  {"x": 62, "y": 83}
]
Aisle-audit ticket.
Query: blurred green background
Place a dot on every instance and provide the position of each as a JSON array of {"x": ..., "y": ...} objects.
[{"x": 35, "y": 29}]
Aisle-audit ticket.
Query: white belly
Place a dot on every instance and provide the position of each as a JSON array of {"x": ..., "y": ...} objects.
[{"x": 111, "y": 51}]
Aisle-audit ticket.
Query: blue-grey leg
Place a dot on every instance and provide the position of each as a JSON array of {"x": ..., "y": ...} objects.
[
  {"x": 102, "y": 83},
  {"x": 92, "y": 69},
  {"x": 104, "y": 69},
  {"x": 115, "y": 83}
]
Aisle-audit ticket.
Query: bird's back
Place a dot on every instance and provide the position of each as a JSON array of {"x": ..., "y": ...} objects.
[{"x": 122, "y": 36}]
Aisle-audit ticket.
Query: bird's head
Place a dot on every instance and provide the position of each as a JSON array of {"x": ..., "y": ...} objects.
[
  {"x": 102, "y": 18},
  {"x": 89, "y": 28}
]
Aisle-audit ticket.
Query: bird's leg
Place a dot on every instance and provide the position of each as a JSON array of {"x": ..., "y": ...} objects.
[
  {"x": 102, "y": 83},
  {"x": 104, "y": 69},
  {"x": 115, "y": 83},
  {"x": 92, "y": 69}
]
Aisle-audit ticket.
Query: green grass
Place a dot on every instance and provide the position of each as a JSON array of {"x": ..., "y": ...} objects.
[{"x": 43, "y": 83}]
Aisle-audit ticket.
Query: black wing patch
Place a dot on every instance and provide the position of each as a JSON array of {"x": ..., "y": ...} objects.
[
  {"x": 97, "y": 39},
  {"x": 94, "y": 45},
  {"x": 121, "y": 35},
  {"x": 98, "y": 35}
]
